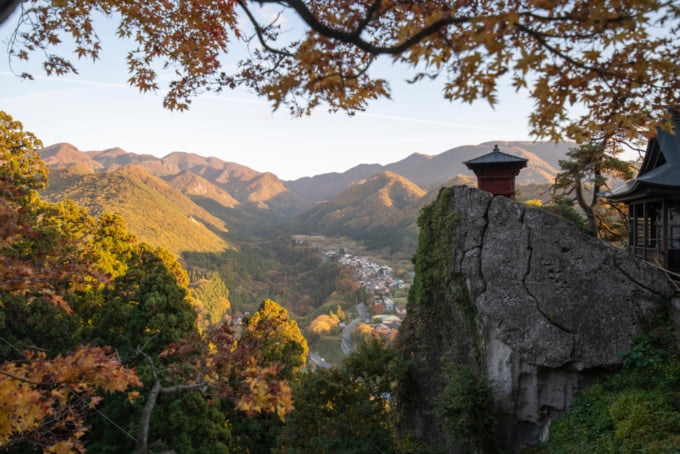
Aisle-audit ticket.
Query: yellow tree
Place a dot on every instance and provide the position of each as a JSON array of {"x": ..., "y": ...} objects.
[
  {"x": 41, "y": 244},
  {"x": 611, "y": 61},
  {"x": 324, "y": 324},
  {"x": 251, "y": 369},
  {"x": 276, "y": 337}
]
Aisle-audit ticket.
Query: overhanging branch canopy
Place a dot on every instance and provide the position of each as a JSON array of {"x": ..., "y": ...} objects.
[{"x": 616, "y": 60}]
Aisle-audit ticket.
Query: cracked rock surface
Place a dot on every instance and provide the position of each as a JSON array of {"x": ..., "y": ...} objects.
[{"x": 555, "y": 304}]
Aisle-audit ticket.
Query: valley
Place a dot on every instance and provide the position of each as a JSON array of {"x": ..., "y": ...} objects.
[
  {"x": 233, "y": 294},
  {"x": 315, "y": 245}
]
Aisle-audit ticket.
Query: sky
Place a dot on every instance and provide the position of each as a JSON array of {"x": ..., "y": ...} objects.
[{"x": 97, "y": 110}]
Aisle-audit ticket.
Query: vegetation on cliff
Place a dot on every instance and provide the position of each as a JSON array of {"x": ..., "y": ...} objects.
[
  {"x": 449, "y": 402},
  {"x": 636, "y": 410},
  {"x": 444, "y": 396}
]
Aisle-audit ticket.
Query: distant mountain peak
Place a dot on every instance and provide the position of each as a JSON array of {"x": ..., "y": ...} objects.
[
  {"x": 115, "y": 151},
  {"x": 67, "y": 155},
  {"x": 194, "y": 185},
  {"x": 387, "y": 188}
]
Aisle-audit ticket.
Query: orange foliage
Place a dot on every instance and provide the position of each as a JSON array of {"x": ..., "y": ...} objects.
[
  {"x": 347, "y": 285},
  {"x": 377, "y": 308},
  {"x": 607, "y": 58},
  {"x": 324, "y": 324},
  {"x": 34, "y": 258},
  {"x": 243, "y": 368},
  {"x": 45, "y": 251},
  {"x": 44, "y": 401},
  {"x": 363, "y": 330}
]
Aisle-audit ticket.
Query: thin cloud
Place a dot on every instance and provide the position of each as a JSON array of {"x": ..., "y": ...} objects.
[
  {"x": 67, "y": 80},
  {"x": 429, "y": 122}
]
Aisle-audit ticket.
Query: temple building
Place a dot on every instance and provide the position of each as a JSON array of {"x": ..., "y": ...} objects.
[{"x": 653, "y": 200}]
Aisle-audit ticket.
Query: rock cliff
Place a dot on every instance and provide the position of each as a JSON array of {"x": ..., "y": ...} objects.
[{"x": 544, "y": 309}]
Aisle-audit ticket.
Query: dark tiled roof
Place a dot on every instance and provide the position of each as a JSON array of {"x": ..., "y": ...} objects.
[
  {"x": 496, "y": 157},
  {"x": 660, "y": 169}
]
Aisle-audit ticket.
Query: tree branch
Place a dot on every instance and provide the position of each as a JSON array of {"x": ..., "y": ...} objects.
[
  {"x": 142, "y": 445},
  {"x": 259, "y": 31},
  {"x": 353, "y": 37}
]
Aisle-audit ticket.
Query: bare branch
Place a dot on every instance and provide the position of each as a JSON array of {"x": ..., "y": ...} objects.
[
  {"x": 157, "y": 388},
  {"x": 259, "y": 31}
]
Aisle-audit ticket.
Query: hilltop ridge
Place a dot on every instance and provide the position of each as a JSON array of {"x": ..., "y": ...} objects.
[
  {"x": 266, "y": 190},
  {"x": 377, "y": 204}
]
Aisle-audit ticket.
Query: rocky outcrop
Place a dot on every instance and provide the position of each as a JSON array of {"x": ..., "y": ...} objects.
[{"x": 555, "y": 306}]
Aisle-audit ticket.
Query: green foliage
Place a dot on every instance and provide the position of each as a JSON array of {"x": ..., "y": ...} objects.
[
  {"x": 327, "y": 347},
  {"x": 187, "y": 423},
  {"x": 636, "y": 410},
  {"x": 587, "y": 427},
  {"x": 440, "y": 333},
  {"x": 585, "y": 173},
  {"x": 646, "y": 421},
  {"x": 294, "y": 275},
  {"x": 466, "y": 405},
  {"x": 346, "y": 410},
  {"x": 27, "y": 324},
  {"x": 113, "y": 244},
  {"x": 20, "y": 160},
  {"x": 433, "y": 259},
  {"x": 592, "y": 163},
  {"x": 145, "y": 308},
  {"x": 211, "y": 297},
  {"x": 255, "y": 435},
  {"x": 648, "y": 351},
  {"x": 438, "y": 296},
  {"x": 162, "y": 314},
  {"x": 564, "y": 207},
  {"x": 377, "y": 365}
]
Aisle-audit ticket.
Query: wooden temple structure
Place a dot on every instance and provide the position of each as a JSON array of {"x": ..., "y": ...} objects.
[
  {"x": 653, "y": 200},
  {"x": 496, "y": 172}
]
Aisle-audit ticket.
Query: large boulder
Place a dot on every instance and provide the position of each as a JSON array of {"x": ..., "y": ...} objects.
[{"x": 556, "y": 307}]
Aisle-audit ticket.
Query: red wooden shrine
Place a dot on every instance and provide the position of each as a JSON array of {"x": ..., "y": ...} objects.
[{"x": 496, "y": 172}]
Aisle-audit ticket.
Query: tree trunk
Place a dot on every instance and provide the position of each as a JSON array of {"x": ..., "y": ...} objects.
[
  {"x": 588, "y": 209},
  {"x": 145, "y": 421}
]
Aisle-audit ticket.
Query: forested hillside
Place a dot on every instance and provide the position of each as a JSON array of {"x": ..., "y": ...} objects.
[
  {"x": 154, "y": 210},
  {"x": 94, "y": 319},
  {"x": 379, "y": 211}
]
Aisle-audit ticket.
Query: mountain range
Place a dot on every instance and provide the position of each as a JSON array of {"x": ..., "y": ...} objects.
[{"x": 190, "y": 201}]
